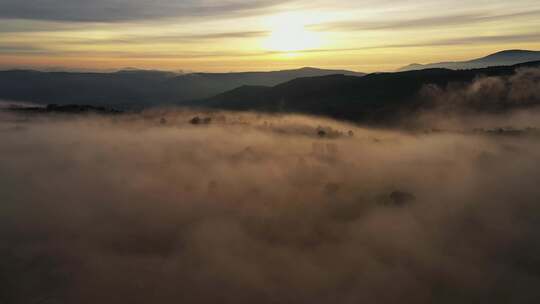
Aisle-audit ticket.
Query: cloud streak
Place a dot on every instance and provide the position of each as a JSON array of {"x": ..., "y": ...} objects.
[
  {"x": 124, "y": 10},
  {"x": 171, "y": 39},
  {"x": 419, "y": 23}
]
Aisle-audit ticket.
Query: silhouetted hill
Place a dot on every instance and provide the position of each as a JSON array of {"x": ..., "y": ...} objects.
[
  {"x": 374, "y": 97},
  {"x": 135, "y": 88},
  {"x": 509, "y": 57}
]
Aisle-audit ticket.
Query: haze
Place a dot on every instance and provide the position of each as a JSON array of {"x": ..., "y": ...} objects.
[{"x": 258, "y": 208}]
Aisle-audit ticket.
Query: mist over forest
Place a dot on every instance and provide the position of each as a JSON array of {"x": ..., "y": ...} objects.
[{"x": 175, "y": 205}]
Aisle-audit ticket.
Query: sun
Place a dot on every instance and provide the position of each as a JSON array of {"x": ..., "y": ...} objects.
[{"x": 289, "y": 34}]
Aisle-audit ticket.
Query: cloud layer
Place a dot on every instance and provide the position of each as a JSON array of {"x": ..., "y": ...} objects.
[
  {"x": 124, "y": 10},
  {"x": 263, "y": 209}
]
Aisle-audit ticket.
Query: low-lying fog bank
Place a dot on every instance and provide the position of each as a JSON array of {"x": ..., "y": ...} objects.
[{"x": 160, "y": 207}]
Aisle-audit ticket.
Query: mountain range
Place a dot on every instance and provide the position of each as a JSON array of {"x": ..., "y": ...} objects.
[
  {"x": 374, "y": 98},
  {"x": 508, "y": 57},
  {"x": 133, "y": 89}
]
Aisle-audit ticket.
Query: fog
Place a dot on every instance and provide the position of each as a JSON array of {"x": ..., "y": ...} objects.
[
  {"x": 486, "y": 102},
  {"x": 496, "y": 93},
  {"x": 253, "y": 208}
]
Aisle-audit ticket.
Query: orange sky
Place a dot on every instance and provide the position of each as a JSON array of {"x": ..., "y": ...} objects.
[{"x": 210, "y": 35}]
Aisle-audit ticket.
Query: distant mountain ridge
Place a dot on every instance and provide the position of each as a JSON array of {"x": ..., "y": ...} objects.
[
  {"x": 136, "y": 88},
  {"x": 374, "y": 98},
  {"x": 508, "y": 57}
]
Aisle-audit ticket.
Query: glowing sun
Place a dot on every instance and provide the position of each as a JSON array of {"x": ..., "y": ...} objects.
[{"x": 289, "y": 34}]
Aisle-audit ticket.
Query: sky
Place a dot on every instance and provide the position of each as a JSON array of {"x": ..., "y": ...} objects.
[{"x": 235, "y": 35}]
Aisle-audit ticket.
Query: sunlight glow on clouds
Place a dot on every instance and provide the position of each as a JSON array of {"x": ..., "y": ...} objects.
[
  {"x": 212, "y": 35},
  {"x": 289, "y": 34}
]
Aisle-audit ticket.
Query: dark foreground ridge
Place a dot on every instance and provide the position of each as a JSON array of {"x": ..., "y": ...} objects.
[{"x": 378, "y": 97}]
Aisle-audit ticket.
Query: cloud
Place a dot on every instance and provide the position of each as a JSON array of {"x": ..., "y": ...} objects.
[
  {"x": 260, "y": 209},
  {"x": 495, "y": 93},
  {"x": 22, "y": 49},
  {"x": 422, "y": 23},
  {"x": 172, "y": 38},
  {"x": 13, "y": 26},
  {"x": 493, "y": 39},
  {"x": 483, "y": 103},
  {"x": 125, "y": 10}
]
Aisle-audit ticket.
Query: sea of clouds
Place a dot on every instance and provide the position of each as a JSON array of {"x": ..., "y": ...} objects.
[{"x": 256, "y": 208}]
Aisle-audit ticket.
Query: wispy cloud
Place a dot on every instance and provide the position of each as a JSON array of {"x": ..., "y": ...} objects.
[
  {"x": 183, "y": 38},
  {"x": 135, "y": 54},
  {"x": 114, "y": 46},
  {"x": 125, "y": 10},
  {"x": 424, "y": 22},
  {"x": 21, "y": 49},
  {"x": 496, "y": 39}
]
